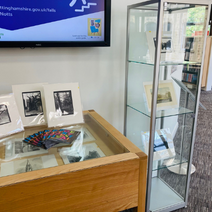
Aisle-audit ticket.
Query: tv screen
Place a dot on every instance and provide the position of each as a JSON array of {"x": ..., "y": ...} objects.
[{"x": 53, "y": 23}]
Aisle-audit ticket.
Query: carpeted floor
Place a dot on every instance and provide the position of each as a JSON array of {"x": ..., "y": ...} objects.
[{"x": 200, "y": 192}]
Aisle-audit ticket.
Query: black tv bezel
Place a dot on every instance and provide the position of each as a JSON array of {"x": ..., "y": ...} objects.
[{"x": 33, "y": 44}]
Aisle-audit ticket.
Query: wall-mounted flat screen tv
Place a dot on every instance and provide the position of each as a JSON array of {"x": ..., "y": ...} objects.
[{"x": 54, "y": 23}]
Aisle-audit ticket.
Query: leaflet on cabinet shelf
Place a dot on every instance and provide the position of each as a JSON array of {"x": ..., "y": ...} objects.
[
  {"x": 10, "y": 119},
  {"x": 166, "y": 97},
  {"x": 163, "y": 144},
  {"x": 31, "y": 104}
]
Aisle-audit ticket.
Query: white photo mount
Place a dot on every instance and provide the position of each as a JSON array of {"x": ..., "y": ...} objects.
[
  {"x": 10, "y": 119},
  {"x": 163, "y": 144},
  {"x": 63, "y": 104},
  {"x": 166, "y": 95},
  {"x": 31, "y": 104}
]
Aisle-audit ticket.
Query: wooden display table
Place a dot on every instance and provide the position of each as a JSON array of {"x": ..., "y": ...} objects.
[{"x": 112, "y": 183}]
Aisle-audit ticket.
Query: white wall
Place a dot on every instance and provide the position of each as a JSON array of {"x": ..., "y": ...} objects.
[{"x": 100, "y": 70}]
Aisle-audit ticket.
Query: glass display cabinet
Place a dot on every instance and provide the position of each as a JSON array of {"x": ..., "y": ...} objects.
[
  {"x": 165, "y": 51},
  {"x": 101, "y": 171}
]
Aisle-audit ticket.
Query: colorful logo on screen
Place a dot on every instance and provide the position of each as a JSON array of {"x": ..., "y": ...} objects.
[
  {"x": 94, "y": 27},
  {"x": 22, "y": 14}
]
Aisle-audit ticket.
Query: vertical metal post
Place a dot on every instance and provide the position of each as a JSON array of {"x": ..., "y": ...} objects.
[
  {"x": 154, "y": 101},
  {"x": 126, "y": 73},
  {"x": 183, "y": 132},
  {"x": 165, "y": 72},
  {"x": 196, "y": 111}
]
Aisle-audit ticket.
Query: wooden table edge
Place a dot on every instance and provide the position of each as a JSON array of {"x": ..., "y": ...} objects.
[
  {"x": 74, "y": 167},
  {"x": 114, "y": 132}
]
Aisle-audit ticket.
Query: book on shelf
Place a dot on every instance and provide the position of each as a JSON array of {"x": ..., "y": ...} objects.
[
  {"x": 191, "y": 68},
  {"x": 194, "y": 78},
  {"x": 190, "y": 78},
  {"x": 187, "y": 77}
]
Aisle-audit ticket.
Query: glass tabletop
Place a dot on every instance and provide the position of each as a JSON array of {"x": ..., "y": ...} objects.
[
  {"x": 145, "y": 61},
  {"x": 94, "y": 141}
]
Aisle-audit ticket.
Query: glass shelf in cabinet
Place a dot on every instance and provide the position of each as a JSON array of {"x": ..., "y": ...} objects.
[
  {"x": 141, "y": 108},
  {"x": 190, "y": 72},
  {"x": 165, "y": 63},
  {"x": 192, "y": 83},
  {"x": 171, "y": 162}
]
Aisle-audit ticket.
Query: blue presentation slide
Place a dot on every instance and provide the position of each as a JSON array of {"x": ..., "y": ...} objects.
[{"x": 55, "y": 20}]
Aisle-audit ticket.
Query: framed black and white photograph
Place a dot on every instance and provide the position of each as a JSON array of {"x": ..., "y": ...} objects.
[
  {"x": 4, "y": 115},
  {"x": 27, "y": 165},
  {"x": 166, "y": 44},
  {"x": 31, "y": 104},
  {"x": 82, "y": 153},
  {"x": 15, "y": 148},
  {"x": 10, "y": 119},
  {"x": 63, "y": 104}
]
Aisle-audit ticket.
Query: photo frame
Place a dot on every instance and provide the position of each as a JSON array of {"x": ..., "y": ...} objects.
[
  {"x": 10, "y": 119},
  {"x": 166, "y": 43},
  {"x": 16, "y": 148},
  {"x": 166, "y": 95},
  {"x": 31, "y": 104},
  {"x": 82, "y": 153},
  {"x": 63, "y": 104},
  {"x": 27, "y": 165}
]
